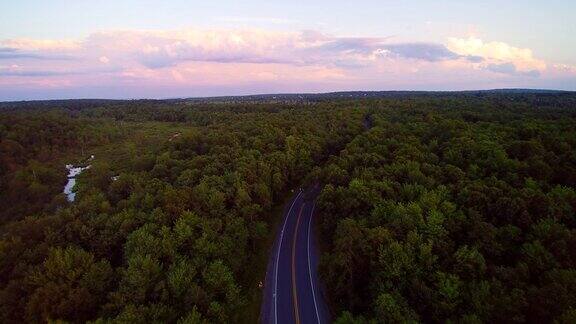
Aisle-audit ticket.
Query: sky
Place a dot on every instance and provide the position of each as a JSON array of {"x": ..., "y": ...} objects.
[{"x": 61, "y": 49}]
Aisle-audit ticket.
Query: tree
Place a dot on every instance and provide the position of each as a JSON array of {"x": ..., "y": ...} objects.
[{"x": 70, "y": 285}]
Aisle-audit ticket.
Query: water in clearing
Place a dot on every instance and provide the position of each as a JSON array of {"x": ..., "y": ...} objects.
[{"x": 73, "y": 172}]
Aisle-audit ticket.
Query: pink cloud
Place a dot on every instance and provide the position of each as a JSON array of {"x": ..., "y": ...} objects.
[
  {"x": 253, "y": 60},
  {"x": 499, "y": 56}
]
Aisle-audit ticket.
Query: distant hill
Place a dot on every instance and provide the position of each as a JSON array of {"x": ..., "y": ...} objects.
[
  {"x": 281, "y": 97},
  {"x": 368, "y": 94}
]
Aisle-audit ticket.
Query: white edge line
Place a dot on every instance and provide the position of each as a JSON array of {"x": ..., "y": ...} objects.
[
  {"x": 309, "y": 266},
  {"x": 278, "y": 259}
]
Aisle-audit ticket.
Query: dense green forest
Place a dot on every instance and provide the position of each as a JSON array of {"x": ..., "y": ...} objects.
[
  {"x": 454, "y": 211},
  {"x": 434, "y": 208}
]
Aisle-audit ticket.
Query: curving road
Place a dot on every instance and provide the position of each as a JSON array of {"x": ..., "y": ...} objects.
[{"x": 292, "y": 290}]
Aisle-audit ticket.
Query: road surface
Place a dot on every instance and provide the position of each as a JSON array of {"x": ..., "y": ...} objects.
[{"x": 292, "y": 291}]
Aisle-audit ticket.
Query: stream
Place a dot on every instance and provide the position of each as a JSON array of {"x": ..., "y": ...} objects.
[{"x": 73, "y": 172}]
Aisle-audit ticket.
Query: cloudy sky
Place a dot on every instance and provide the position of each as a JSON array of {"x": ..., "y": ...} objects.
[{"x": 181, "y": 48}]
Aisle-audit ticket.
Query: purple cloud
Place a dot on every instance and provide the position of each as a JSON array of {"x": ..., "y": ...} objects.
[
  {"x": 7, "y": 53},
  {"x": 510, "y": 69},
  {"x": 422, "y": 51},
  {"x": 4, "y": 72}
]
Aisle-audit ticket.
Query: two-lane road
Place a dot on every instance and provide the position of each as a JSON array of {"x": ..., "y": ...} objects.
[{"x": 292, "y": 292}]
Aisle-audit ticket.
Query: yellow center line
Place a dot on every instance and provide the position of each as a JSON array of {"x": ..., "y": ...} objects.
[{"x": 294, "y": 290}]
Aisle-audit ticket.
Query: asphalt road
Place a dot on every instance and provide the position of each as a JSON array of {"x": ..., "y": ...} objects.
[{"x": 293, "y": 293}]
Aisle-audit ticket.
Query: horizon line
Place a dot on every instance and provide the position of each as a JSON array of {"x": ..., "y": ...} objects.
[{"x": 527, "y": 90}]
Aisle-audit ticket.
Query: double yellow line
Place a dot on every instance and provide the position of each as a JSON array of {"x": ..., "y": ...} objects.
[{"x": 294, "y": 289}]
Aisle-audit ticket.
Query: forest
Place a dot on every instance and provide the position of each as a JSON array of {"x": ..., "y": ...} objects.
[
  {"x": 454, "y": 211},
  {"x": 434, "y": 208},
  {"x": 175, "y": 236}
]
